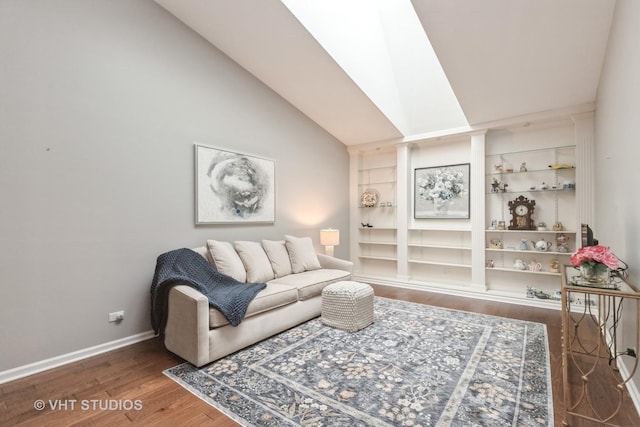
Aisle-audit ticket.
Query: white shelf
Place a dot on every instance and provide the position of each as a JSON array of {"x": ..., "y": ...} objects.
[
  {"x": 369, "y": 184},
  {"x": 529, "y": 251},
  {"x": 515, "y": 172},
  {"x": 444, "y": 264},
  {"x": 534, "y": 150},
  {"x": 527, "y": 190},
  {"x": 379, "y": 258},
  {"x": 445, "y": 229},
  {"x": 377, "y": 168},
  {"x": 422, "y": 245},
  {"x": 377, "y": 228},
  {"x": 513, "y": 270},
  {"x": 533, "y": 231},
  {"x": 362, "y": 242}
]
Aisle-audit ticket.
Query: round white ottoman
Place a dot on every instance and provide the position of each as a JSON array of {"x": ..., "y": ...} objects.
[{"x": 347, "y": 305}]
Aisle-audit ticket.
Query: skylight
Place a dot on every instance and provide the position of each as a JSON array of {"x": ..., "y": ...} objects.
[{"x": 382, "y": 46}]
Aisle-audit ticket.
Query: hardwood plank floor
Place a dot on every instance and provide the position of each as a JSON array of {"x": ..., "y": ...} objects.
[{"x": 133, "y": 376}]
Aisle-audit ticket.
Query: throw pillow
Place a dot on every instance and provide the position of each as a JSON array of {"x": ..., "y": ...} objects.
[
  {"x": 301, "y": 253},
  {"x": 278, "y": 256},
  {"x": 226, "y": 259},
  {"x": 255, "y": 261}
]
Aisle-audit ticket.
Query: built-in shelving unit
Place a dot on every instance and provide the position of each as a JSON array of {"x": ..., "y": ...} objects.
[
  {"x": 546, "y": 176},
  {"x": 376, "y": 213},
  {"x": 443, "y": 254},
  {"x": 542, "y": 162}
]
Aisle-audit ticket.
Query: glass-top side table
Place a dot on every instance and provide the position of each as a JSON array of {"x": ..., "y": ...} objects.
[{"x": 600, "y": 338}]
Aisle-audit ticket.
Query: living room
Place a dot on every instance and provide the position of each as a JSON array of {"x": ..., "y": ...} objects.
[{"x": 102, "y": 103}]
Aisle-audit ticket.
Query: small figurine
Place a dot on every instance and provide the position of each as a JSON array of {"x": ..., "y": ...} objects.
[
  {"x": 523, "y": 167},
  {"x": 495, "y": 244},
  {"x": 562, "y": 243},
  {"x": 541, "y": 245},
  {"x": 498, "y": 186},
  {"x": 534, "y": 293},
  {"x": 519, "y": 264},
  {"x": 494, "y": 185},
  {"x": 523, "y": 245},
  {"x": 498, "y": 168},
  {"x": 508, "y": 168},
  {"x": 534, "y": 266}
]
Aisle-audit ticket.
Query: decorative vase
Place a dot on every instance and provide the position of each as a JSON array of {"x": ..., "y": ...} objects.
[
  {"x": 440, "y": 206},
  {"x": 596, "y": 273}
]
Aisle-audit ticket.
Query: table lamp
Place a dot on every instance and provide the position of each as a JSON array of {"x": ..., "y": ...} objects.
[{"x": 329, "y": 238}]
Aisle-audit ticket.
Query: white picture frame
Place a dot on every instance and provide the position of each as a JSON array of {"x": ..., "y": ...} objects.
[{"x": 233, "y": 187}]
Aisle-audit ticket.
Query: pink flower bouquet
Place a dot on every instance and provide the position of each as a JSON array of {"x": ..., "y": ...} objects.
[{"x": 596, "y": 256}]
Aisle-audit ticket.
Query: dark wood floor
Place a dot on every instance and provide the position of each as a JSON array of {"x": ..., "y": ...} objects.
[{"x": 132, "y": 376}]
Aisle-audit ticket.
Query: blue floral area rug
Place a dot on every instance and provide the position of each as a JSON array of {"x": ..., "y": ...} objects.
[{"x": 416, "y": 365}]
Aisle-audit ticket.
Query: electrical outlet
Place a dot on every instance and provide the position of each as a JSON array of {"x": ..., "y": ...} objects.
[{"x": 116, "y": 316}]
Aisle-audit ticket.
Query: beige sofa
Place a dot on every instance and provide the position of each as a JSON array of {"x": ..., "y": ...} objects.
[{"x": 295, "y": 276}]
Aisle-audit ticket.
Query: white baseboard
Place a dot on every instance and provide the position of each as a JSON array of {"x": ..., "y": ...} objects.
[
  {"x": 54, "y": 362},
  {"x": 631, "y": 386}
]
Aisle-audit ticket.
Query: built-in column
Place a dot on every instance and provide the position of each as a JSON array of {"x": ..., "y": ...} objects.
[
  {"x": 477, "y": 209},
  {"x": 354, "y": 166},
  {"x": 584, "y": 133},
  {"x": 402, "y": 213}
]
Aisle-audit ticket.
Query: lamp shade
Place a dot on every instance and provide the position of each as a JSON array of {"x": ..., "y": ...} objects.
[{"x": 329, "y": 237}]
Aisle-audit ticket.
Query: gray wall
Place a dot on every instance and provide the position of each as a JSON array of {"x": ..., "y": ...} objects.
[
  {"x": 617, "y": 172},
  {"x": 100, "y": 104}
]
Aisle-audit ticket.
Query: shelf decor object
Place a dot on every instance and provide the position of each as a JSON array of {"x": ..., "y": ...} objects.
[
  {"x": 442, "y": 192},
  {"x": 594, "y": 263},
  {"x": 233, "y": 187},
  {"x": 369, "y": 198},
  {"x": 521, "y": 210}
]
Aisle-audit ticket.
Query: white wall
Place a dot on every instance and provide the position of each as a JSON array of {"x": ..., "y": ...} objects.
[
  {"x": 617, "y": 140},
  {"x": 617, "y": 172},
  {"x": 100, "y": 104}
]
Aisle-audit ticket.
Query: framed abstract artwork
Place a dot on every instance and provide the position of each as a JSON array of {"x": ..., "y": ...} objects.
[
  {"x": 441, "y": 192},
  {"x": 233, "y": 187}
]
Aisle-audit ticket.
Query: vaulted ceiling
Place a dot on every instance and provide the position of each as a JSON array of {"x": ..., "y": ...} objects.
[{"x": 502, "y": 59}]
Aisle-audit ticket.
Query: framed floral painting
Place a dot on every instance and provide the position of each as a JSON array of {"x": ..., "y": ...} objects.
[{"x": 441, "y": 192}]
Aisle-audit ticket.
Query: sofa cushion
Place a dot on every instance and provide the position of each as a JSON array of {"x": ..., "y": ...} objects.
[
  {"x": 311, "y": 283},
  {"x": 255, "y": 261},
  {"x": 273, "y": 296},
  {"x": 301, "y": 253},
  {"x": 226, "y": 260},
  {"x": 278, "y": 257}
]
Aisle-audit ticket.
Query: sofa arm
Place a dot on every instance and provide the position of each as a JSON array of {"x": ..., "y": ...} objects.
[
  {"x": 187, "y": 330},
  {"x": 327, "y": 261}
]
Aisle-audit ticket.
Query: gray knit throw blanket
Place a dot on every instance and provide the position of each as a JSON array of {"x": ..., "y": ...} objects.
[{"x": 186, "y": 267}]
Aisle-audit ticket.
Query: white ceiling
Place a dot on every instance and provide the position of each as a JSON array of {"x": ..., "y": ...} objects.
[{"x": 503, "y": 59}]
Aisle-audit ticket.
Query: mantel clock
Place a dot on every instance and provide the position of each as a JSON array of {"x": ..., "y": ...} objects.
[{"x": 521, "y": 210}]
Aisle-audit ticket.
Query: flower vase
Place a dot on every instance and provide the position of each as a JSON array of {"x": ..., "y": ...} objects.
[
  {"x": 596, "y": 273},
  {"x": 440, "y": 206}
]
